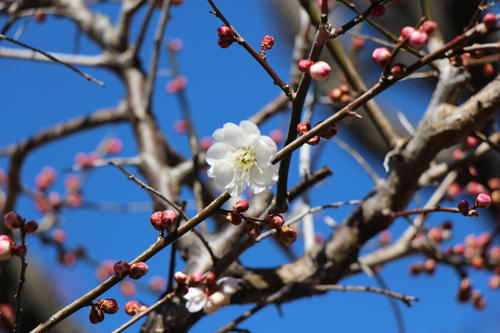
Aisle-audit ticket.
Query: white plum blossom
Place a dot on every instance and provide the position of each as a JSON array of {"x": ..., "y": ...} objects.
[
  {"x": 197, "y": 299},
  {"x": 240, "y": 157}
]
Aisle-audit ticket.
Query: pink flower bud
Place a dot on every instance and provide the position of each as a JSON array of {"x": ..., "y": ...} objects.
[
  {"x": 490, "y": 21},
  {"x": 483, "y": 200},
  {"x": 59, "y": 235},
  {"x": 7, "y": 315},
  {"x": 276, "y": 135},
  {"x": 275, "y": 221},
  {"x": 471, "y": 142},
  {"x": 12, "y": 220},
  {"x": 181, "y": 126},
  {"x": 385, "y": 237},
  {"x": 176, "y": 85},
  {"x": 138, "y": 270},
  {"x": 304, "y": 65},
  {"x": 378, "y": 11},
  {"x": 494, "y": 281},
  {"x": 418, "y": 39},
  {"x": 254, "y": 231},
  {"x": 121, "y": 268},
  {"x": 320, "y": 70},
  {"x": 381, "y": 56},
  {"x": 45, "y": 178},
  {"x": 175, "y": 45},
  {"x": 287, "y": 235},
  {"x": 195, "y": 279},
  {"x": 233, "y": 218},
  {"x": 86, "y": 160},
  {"x": 358, "y": 43},
  {"x": 108, "y": 305},
  {"x": 225, "y": 33},
  {"x": 205, "y": 143},
  {"x": 168, "y": 217},
  {"x": 428, "y": 27},
  {"x": 31, "y": 227},
  {"x": 488, "y": 70},
  {"x": 430, "y": 266},
  {"x": 477, "y": 262},
  {"x": 72, "y": 183},
  {"x": 454, "y": 190},
  {"x": 406, "y": 32},
  {"x": 459, "y": 248},
  {"x": 241, "y": 206},
  {"x": 113, "y": 146},
  {"x": 96, "y": 315},
  {"x": 436, "y": 234},
  {"x": 335, "y": 94},
  {"x": 210, "y": 278},
  {"x": 128, "y": 288},
  {"x": 157, "y": 283},
  {"x": 398, "y": 70},
  {"x": 180, "y": 278},
  {"x": 303, "y": 127},
  {"x": 267, "y": 42},
  {"x": 6, "y": 247},
  {"x": 132, "y": 308},
  {"x": 494, "y": 183}
]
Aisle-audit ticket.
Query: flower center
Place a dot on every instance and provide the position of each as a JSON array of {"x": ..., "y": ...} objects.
[{"x": 244, "y": 159}]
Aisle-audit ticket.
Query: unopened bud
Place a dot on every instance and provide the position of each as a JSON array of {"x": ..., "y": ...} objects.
[
  {"x": 241, "y": 206},
  {"x": 320, "y": 70},
  {"x": 12, "y": 220},
  {"x": 137, "y": 270},
  {"x": 108, "y": 305},
  {"x": 304, "y": 65},
  {"x": 303, "y": 127},
  {"x": 267, "y": 42},
  {"x": 121, "y": 268},
  {"x": 287, "y": 235},
  {"x": 233, "y": 218},
  {"x": 483, "y": 200},
  {"x": 195, "y": 279},
  {"x": 132, "y": 308},
  {"x": 96, "y": 315}
]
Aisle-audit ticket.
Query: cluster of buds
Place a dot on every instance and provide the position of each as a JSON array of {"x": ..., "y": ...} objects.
[
  {"x": 428, "y": 266},
  {"x": 134, "y": 271},
  {"x": 73, "y": 185},
  {"x": 133, "y": 307},
  {"x": 342, "y": 94},
  {"x": 491, "y": 189},
  {"x": 327, "y": 133},
  {"x": 266, "y": 44},
  {"x": 465, "y": 294},
  {"x": 204, "y": 291},
  {"x": 318, "y": 70},
  {"x": 441, "y": 233},
  {"x": 226, "y": 36},
  {"x": 482, "y": 200},
  {"x": 286, "y": 235},
  {"x": 110, "y": 146},
  {"x": 45, "y": 179},
  {"x": 102, "y": 306},
  {"x": 8, "y": 247},
  {"x": 161, "y": 220}
]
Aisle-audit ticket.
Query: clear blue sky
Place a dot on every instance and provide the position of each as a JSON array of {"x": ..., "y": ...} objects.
[{"x": 224, "y": 85}]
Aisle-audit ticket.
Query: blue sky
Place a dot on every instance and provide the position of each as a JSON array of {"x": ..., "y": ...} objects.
[{"x": 224, "y": 85}]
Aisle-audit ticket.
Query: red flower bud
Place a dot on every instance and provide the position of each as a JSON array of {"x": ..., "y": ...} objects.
[
  {"x": 241, "y": 206},
  {"x": 225, "y": 33},
  {"x": 195, "y": 279},
  {"x": 304, "y": 65},
  {"x": 303, "y": 127},
  {"x": 137, "y": 270},
  {"x": 121, "y": 268},
  {"x": 180, "y": 278},
  {"x": 381, "y": 56},
  {"x": 483, "y": 200},
  {"x": 108, "y": 305},
  {"x": 96, "y": 315},
  {"x": 490, "y": 21},
  {"x": 132, "y": 308},
  {"x": 267, "y": 42},
  {"x": 12, "y": 220}
]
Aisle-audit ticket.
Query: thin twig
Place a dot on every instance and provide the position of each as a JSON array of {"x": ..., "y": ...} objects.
[
  {"x": 138, "y": 316},
  {"x": 403, "y": 298},
  {"x": 156, "y": 247},
  {"x": 395, "y": 308},
  {"x": 357, "y": 156},
  {"x": 206, "y": 245},
  {"x": 150, "y": 189},
  {"x": 261, "y": 60},
  {"x": 51, "y": 57},
  {"x": 22, "y": 280}
]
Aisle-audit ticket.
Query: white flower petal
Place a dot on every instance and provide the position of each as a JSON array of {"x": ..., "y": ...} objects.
[
  {"x": 218, "y": 135},
  {"x": 229, "y": 285},
  {"x": 196, "y": 299},
  {"x": 218, "y": 151},
  {"x": 249, "y": 128},
  {"x": 241, "y": 157},
  {"x": 234, "y": 135},
  {"x": 222, "y": 172}
]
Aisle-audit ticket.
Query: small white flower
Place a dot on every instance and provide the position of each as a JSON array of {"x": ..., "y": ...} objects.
[
  {"x": 197, "y": 299},
  {"x": 240, "y": 157}
]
